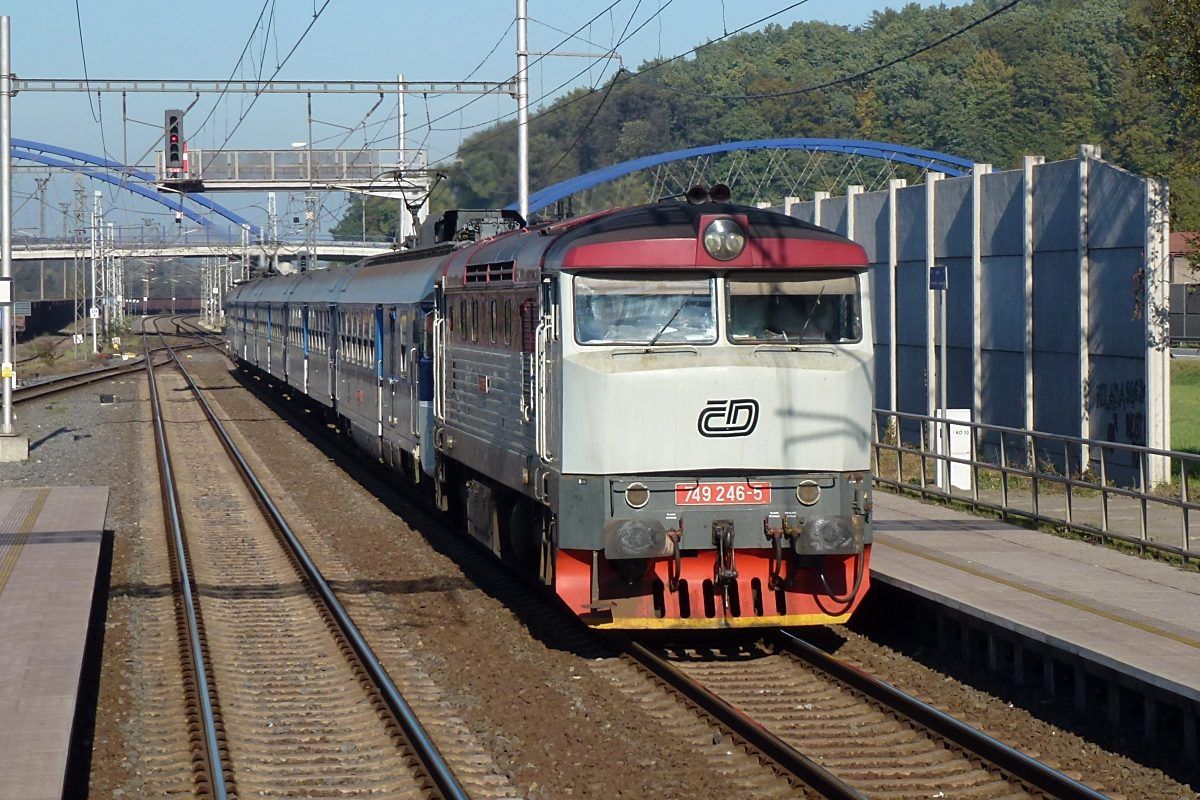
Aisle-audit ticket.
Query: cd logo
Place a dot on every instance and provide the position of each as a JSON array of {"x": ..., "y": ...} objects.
[{"x": 722, "y": 418}]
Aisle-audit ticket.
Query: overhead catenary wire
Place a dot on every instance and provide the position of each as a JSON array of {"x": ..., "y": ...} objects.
[
  {"x": 624, "y": 37},
  {"x": 629, "y": 76},
  {"x": 532, "y": 63},
  {"x": 241, "y": 57},
  {"x": 257, "y": 94},
  {"x": 83, "y": 55}
]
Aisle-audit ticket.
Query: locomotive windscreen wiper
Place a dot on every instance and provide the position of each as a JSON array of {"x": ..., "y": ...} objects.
[
  {"x": 670, "y": 319},
  {"x": 811, "y": 313}
]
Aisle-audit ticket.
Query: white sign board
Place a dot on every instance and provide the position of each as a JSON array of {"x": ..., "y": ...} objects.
[
  {"x": 6, "y": 295},
  {"x": 960, "y": 447}
]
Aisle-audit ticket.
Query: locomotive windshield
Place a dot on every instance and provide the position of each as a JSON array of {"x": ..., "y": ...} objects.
[
  {"x": 646, "y": 309},
  {"x": 794, "y": 307}
]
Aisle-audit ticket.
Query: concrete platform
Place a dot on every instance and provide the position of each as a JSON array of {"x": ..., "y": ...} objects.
[
  {"x": 14, "y": 447},
  {"x": 49, "y": 550},
  {"x": 1115, "y": 613}
]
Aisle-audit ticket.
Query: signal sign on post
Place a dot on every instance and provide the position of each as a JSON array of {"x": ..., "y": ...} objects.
[{"x": 173, "y": 124}]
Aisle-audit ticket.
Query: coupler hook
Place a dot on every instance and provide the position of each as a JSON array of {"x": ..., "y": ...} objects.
[
  {"x": 725, "y": 572},
  {"x": 675, "y": 568},
  {"x": 775, "y": 579}
]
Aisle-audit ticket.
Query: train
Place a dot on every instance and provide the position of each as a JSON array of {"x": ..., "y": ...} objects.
[{"x": 661, "y": 412}]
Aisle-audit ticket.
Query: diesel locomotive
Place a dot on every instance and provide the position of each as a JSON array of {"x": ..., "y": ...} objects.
[{"x": 662, "y": 411}]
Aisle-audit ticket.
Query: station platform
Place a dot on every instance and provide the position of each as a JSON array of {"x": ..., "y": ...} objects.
[
  {"x": 1114, "y": 612},
  {"x": 49, "y": 552}
]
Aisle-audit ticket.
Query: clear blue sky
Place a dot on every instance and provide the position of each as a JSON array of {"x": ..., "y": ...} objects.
[{"x": 352, "y": 39}]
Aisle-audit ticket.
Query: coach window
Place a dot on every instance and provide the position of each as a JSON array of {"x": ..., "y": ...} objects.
[
  {"x": 797, "y": 307},
  {"x": 474, "y": 320},
  {"x": 492, "y": 319},
  {"x": 645, "y": 309},
  {"x": 508, "y": 333},
  {"x": 464, "y": 324}
]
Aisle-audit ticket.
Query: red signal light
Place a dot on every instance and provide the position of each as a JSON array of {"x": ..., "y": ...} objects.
[{"x": 174, "y": 138}]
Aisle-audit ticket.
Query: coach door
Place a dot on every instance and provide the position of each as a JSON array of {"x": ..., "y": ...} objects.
[
  {"x": 378, "y": 351},
  {"x": 286, "y": 327},
  {"x": 420, "y": 346},
  {"x": 304, "y": 343},
  {"x": 334, "y": 352},
  {"x": 392, "y": 359}
]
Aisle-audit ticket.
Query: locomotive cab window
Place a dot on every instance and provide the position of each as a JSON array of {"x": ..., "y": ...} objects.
[
  {"x": 646, "y": 309},
  {"x": 793, "y": 308}
]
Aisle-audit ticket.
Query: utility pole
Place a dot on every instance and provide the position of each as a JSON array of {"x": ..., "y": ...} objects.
[
  {"x": 41, "y": 193},
  {"x": 310, "y": 231},
  {"x": 522, "y": 109},
  {"x": 273, "y": 231},
  {"x": 106, "y": 279},
  {"x": 65, "y": 207},
  {"x": 94, "y": 309},
  {"x": 13, "y": 446}
]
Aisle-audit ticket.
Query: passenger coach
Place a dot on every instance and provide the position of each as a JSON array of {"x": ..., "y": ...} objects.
[{"x": 663, "y": 412}]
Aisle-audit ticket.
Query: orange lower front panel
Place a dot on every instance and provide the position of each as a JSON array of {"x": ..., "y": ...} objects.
[{"x": 694, "y": 600}]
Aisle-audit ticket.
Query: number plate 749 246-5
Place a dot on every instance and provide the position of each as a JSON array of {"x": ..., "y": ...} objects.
[{"x": 737, "y": 493}]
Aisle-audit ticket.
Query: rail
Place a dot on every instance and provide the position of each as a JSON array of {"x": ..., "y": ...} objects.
[
  {"x": 787, "y": 757},
  {"x": 1044, "y": 477},
  {"x": 212, "y": 751},
  {"x": 1006, "y": 759},
  {"x": 427, "y": 752}
]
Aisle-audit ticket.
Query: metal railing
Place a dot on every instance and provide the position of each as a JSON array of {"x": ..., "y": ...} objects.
[
  {"x": 1089, "y": 486},
  {"x": 297, "y": 164}
]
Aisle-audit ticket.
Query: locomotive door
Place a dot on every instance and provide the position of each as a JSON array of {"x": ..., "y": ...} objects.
[{"x": 543, "y": 371}]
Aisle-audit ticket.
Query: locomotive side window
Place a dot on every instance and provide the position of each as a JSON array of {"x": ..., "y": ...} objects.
[
  {"x": 508, "y": 333},
  {"x": 646, "y": 309},
  {"x": 795, "y": 307}
]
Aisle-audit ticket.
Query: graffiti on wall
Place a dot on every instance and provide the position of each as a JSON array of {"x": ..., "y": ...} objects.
[{"x": 1123, "y": 405}]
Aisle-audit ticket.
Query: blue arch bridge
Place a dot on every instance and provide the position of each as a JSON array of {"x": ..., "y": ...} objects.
[{"x": 762, "y": 170}]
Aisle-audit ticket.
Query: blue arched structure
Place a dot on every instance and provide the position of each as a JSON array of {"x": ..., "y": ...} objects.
[
  {"x": 925, "y": 159},
  {"x": 43, "y": 153}
]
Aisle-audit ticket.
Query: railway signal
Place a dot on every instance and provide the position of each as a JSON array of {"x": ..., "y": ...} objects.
[{"x": 174, "y": 140}]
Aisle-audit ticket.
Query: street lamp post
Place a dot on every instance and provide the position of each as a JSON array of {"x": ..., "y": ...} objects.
[{"x": 13, "y": 446}]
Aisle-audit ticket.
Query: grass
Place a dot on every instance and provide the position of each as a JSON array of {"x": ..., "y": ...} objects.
[{"x": 1185, "y": 405}]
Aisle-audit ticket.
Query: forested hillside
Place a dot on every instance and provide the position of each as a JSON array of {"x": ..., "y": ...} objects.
[{"x": 1041, "y": 78}]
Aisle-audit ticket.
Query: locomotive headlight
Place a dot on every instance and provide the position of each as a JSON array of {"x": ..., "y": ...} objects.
[
  {"x": 808, "y": 492},
  {"x": 637, "y": 495},
  {"x": 724, "y": 239}
]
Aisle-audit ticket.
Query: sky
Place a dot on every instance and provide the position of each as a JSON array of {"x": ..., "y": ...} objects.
[{"x": 350, "y": 39}]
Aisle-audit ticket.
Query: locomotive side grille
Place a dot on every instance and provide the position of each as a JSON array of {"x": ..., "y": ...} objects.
[
  {"x": 493, "y": 415},
  {"x": 500, "y": 272}
]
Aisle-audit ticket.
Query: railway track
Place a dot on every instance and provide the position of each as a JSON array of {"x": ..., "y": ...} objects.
[
  {"x": 288, "y": 697},
  {"x": 843, "y": 732},
  {"x": 63, "y": 383}
]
